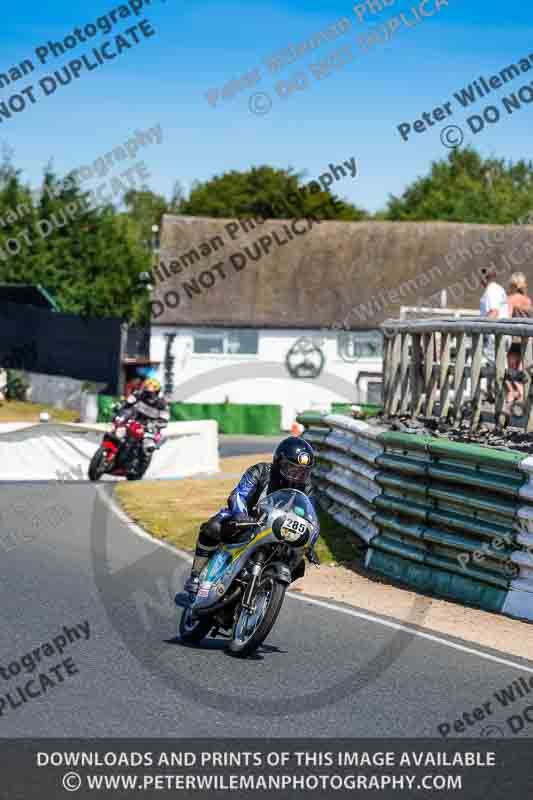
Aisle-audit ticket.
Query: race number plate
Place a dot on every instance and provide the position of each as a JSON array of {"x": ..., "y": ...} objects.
[{"x": 293, "y": 528}]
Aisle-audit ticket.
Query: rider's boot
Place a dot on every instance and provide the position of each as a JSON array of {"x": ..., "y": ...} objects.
[{"x": 201, "y": 557}]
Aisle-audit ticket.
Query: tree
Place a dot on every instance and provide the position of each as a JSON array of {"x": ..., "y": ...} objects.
[
  {"x": 145, "y": 208},
  {"x": 464, "y": 187},
  {"x": 263, "y": 192},
  {"x": 80, "y": 253}
]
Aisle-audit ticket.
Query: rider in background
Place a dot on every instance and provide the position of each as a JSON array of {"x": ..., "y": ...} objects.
[
  {"x": 148, "y": 406},
  {"x": 145, "y": 401},
  {"x": 291, "y": 467}
]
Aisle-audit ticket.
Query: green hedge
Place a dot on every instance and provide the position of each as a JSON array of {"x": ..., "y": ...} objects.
[{"x": 236, "y": 419}]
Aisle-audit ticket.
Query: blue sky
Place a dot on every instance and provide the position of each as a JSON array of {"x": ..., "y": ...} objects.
[{"x": 200, "y": 46}]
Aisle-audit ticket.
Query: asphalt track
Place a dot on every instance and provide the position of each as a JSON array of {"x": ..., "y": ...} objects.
[{"x": 326, "y": 669}]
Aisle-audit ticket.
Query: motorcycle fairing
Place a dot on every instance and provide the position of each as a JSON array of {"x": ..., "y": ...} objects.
[{"x": 214, "y": 580}]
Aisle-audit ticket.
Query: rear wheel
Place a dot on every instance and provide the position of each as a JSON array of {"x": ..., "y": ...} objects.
[
  {"x": 250, "y": 629},
  {"x": 194, "y": 629},
  {"x": 98, "y": 465}
]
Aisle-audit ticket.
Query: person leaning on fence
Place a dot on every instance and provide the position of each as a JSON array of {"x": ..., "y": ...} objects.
[
  {"x": 493, "y": 305},
  {"x": 520, "y": 305}
]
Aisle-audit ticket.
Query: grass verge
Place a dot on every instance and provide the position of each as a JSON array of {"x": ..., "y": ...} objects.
[
  {"x": 173, "y": 510},
  {"x": 17, "y": 411}
]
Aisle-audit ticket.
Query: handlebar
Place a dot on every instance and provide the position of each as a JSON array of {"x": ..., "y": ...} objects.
[{"x": 246, "y": 524}]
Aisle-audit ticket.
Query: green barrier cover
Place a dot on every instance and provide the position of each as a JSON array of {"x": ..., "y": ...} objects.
[
  {"x": 232, "y": 418},
  {"x": 441, "y": 448},
  {"x": 445, "y": 519},
  {"x": 367, "y": 409},
  {"x": 313, "y": 419},
  {"x": 441, "y": 582},
  {"x": 469, "y": 501},
  {"x": 431, "y": 538},
  {"x": 507, "y": 483}
]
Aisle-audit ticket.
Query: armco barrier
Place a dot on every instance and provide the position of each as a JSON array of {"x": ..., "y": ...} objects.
[{"x": 449, "y": 518}]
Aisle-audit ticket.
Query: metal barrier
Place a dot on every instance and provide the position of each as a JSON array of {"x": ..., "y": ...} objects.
[{"x": 442, "y": 517}]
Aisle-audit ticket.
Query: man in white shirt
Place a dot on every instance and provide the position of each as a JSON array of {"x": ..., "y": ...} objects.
[
  {"x": 493, "y": 301},
  {"x": 493, "y": 305}
]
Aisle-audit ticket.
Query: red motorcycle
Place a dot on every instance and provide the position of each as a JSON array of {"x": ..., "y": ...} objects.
[{"x": 125, "y": 451}]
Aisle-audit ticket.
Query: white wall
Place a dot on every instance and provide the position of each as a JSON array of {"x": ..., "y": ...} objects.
[
  {"x": 56, "y": 390},
  {"x": 292, "y": 394},
  {"x": 61, "y": 452}
]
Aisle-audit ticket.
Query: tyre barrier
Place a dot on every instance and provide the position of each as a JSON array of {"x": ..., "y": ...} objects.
[{"x": 452, "y": 519}]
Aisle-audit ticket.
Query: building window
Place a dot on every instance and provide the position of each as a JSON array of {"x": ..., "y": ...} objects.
[
  {"x": 230, "y": 342},
  {"x": 208, "y": 343},
  {"x": 355, "y": 345}
]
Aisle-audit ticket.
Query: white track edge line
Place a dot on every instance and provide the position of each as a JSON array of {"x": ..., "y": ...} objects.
[
  {"x": 397, "y": 626},
  {"x": 137, "y": 530}
]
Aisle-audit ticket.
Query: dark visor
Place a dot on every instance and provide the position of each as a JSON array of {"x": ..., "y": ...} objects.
[{"x": 294, "y": 472}]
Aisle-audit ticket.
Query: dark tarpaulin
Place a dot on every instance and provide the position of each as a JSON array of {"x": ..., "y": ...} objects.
[{"x": 38, "y": 340}]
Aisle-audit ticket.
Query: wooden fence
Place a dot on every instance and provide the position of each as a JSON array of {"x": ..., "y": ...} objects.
[{"x": 439, "y": 368}]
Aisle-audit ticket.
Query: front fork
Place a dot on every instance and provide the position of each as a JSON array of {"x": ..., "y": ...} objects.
[{"x": 256, "y": 570}]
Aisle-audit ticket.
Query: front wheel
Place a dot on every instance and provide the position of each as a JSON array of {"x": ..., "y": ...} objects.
[
  {"x": 98, "y": 465},
  {"x": 251, "y": 628}
]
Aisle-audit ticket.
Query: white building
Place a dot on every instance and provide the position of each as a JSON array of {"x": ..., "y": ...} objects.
[
  {"x": 270, "y": 312},
  {"x": 241, "y": 308},
  {"x": 261, "y": 365}
]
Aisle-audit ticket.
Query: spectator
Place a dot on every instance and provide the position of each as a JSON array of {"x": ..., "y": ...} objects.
[
  {"x": 520, "y": 305},
  {"x": 493, "y": 304}
]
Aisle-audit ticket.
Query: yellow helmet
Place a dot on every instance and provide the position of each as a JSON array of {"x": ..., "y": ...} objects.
[
  {"x": 152, "y": 385},
  {"x": 150, "y": 390}
]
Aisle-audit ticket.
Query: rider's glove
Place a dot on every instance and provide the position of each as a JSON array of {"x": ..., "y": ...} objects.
[
  {"x": 241, "y": 518},
  {"x": 233, "y": 525},
  {"x": 312, "y": 556}
]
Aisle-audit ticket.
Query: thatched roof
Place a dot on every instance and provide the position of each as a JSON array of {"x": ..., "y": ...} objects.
[{"x": 357, "y": 272}]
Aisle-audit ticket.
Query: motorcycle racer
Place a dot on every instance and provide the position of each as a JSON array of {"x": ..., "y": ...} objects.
[
  {"x": 148, "y": 406},
  {"x": 291, "y": 467}
]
